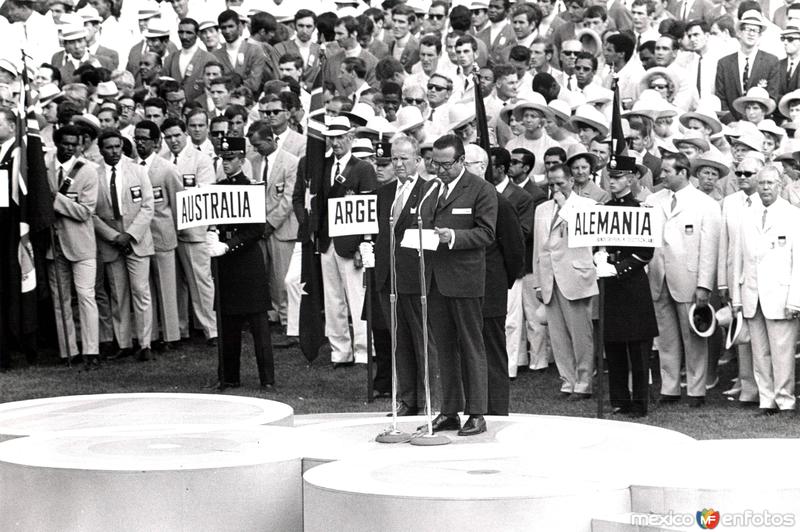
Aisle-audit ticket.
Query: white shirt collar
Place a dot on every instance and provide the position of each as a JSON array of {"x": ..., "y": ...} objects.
[{"x": 502, "y": 185}]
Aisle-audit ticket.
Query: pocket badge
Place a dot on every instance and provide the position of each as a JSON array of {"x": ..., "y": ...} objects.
[
  {"x": 339, "y": 179},
  {"x": 189, "y": 180},
  {"x": 688, "y": 229},
  {"x": 781, "y": 241},
  {"x": 158, "y": 194},
  {"x": 136, "y": 194}
]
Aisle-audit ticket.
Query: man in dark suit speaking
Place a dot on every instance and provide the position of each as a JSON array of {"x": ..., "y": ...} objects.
[{"x": 464, "y": 221}]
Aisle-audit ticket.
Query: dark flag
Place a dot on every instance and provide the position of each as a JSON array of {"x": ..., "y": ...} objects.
[
  {"x": 26, "y": 212},
  {"x": 483, "y": 123},
  {"x": 618, "y": 145},
  {"x": 312, "y": 310}
]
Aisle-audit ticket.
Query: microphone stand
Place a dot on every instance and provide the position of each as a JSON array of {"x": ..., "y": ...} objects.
[
  {"x": 393, "y": 435},
  {"x": 427, "y": 438}
]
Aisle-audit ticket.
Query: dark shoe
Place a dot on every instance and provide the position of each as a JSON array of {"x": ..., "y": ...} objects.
[
  {"x": 443, "y": 422},
  {"x": 337, "y": 365},
  {"x": 144, "y": 354},
  {"x": 747, "y": 404},
  {"x": 212, "y": 342},
  {"x": 269, "y": 387},
  {"x": 620, "y": 410},
  {"x": 378, "y": 394},
  {"x": 159, "y": 346},
  {"x": 222, "y": 386},
  {"x": 636, "y": 414},
  {"x": 122, "y": 353},
  {"x": 696, "y": 402},
  {"x": 767, "y": 411},
  {"x": 575, "y": 396},
  {"x": 91, "y": 362},
  {"x": 286, "y": 341},
  {"x": 669, "y": 399},
  {"x": 405, "y": 410},
  {"x": 475, "y": 425}
]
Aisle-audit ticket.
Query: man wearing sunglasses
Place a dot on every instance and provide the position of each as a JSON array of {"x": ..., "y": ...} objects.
[
  {"x": 440, "y": 88},
  {"x": 569, "y": 57},
  {"x": 787, "y": 68}
]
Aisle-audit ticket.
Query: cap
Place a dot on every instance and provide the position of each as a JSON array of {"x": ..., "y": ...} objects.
[
  {"x": 157, "y": 29},
  {"x": 621, "y": 164},
  {"x": 232, "y": 146}
]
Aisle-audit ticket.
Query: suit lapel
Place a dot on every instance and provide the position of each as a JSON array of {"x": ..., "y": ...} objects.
[
  {"x": 456, "y": 192},
  {"x": 411, "y": 202}
]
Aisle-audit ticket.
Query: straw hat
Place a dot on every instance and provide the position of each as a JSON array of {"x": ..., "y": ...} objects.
[
  {"x": 336, "y": 126},
  {"x": 578, "y": 151},
  {"x": 706, "y": 116},
  {"x": 157, "y": 29},
  {"x": 537, "y": 103},
  {"x": 691, "y": 137},
  {"x": 73, "y": 32},
  {"x": 754, "y": 95},
  {"x": 712, "y": 159},
  {"x": 657, "y": 72},
  {"x": 362, "y": 148},
  {"x": 360, "y": 114},
  {"x": 752, "y": 18},
  {"x": 769, "y": 126},
  {"x": 589, "y": 115},
  {"x": 408, "y": 118},
  {"x": 460, "y": 114},
  {"x": 560, "y": 109},
  {"x": 786, "y": 100}
]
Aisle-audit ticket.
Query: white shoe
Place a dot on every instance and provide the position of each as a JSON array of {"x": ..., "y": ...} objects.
[
  {"x": 713, "y": 384},
  {"x": 733, "y": 392}
]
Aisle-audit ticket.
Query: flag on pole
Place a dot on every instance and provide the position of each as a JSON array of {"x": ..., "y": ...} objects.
[
  {"x": 618, "y": 144},
  {"x": 483, "y": 123},
  {"x": 312, "y": 310}
]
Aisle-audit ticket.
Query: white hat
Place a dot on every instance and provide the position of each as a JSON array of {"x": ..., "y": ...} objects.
[
  {"x": 589, "y": 115},
  {"x": 560, "y": 109},
  {"x": 757, "y": 95},
  {"x": 753, "y": 18},
  {"x": 89, "y": 14},
  {"x": 712, "y": 159},
  {"x": 702, "y": 321},
  {"x": 157, "y": 29},
  {"x": 536, "y": 102},
  {"x": 49, "y": 92},
  {"x": 107, "y": 89},
  {"x": 148, "y": 10},
  {"x": 786, "y": 99},
  {"x": 478, "y": 4},
  {"x": 579, "y": 151},
  {"x": 460, "y": 114},
  {"x": 706, "y": 116},
  {"x": 408, "y": 118},
  {"x": 360, "y": 115},
  {"x": 336, "y": 126},
  {"x": 362, "y": 148},
  {"x": 73, "y": 32},
  {"x": 694, "y": 138}
]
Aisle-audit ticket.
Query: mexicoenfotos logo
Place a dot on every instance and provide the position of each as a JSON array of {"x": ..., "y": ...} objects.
[{"x": 707, "y": 518}]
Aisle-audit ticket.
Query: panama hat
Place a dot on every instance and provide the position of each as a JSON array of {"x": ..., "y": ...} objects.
[
  {"x": 89, "y": 14},
  {"x": 769, "y": 126},
  {"x": 362, "y": 148},
  {"x": 408, "y": 118},
  {"x": 536, "y": 102},
  {"x": 734, "y": 323},
  {"x": 377, "y": 127},
  {"x": 73, "y": 32},
  {"x": 148, "y": 10},
  {"x": 460, "y": 114},
  {"x": 578, "y": 151},
  {"x": 336, "y": 126},
  {"x": 360, "y": 114},
  {"x": 157, "y": 29},
  {"x": 754, "y": 141},
  {"x": 753, "y": 18},
  {"x": 786, "y": 100},
  {"x": 597, "y": 95},
  {"x": 560, "y": 109},
  {"x": 792, "y": 28},
  {"x": 712, "y": 159},
  {"x": 589, "y": 115},
  {"x": 692, "y": 137},
  {"x": 702, "y": 320},
  {"x": 754, "y": 95},
  {"x": 706, "y": 116},
  {"x": 107, "y": 89}
]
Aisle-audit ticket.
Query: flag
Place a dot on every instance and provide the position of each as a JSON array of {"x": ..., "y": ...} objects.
[
  {"x": 618, "y": 144},
  {"x": 312, "y": 310},
  {"x": 28, "y": 215},
  {"x": 483, "y": 125}
]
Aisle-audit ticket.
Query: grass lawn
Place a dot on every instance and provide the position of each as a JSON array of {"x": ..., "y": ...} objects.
[{"x": 318, "y": 388}]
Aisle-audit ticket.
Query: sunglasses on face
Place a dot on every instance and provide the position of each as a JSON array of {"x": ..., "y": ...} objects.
[
  {"x": 743, "y": 173},
  {"x": 413, "y": 101},
  {"x": 435, "y": 17},
  {"x": 437, "y": 88},
  {"x": 570, "y": 52},
  {"x": 789, "y": 39},
  {"x": 270, "y": 112},
  {"x": 217, "y": 133},
  {"x": 516, "y": 161}
]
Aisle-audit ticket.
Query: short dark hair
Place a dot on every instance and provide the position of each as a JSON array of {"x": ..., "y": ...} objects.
[
  {"x": 596, "y": 12},
  {"x": 622, "y": 43},
  {"x": 502, "y": 70},
  {"x": 700, "y": 23},
  {"x": 305, "y": 13},
  {"x": 356, "y": 65},
  {"x": 189, "y": 20},
  {"x": 680, "y": 161},
  {"x": 560, "y": 167},
  {"x": 228, "y": 14},
  {"x": 108, "y": 134},
  {"x": 156, "y": 102},
  {"x": 405, "y": 10},
  {"x": 172, "y": 122},
  {"x": 558, "y": 151},
  {"x": 56, "y": 73},
  {"x": 262, "y": 129},
  {"x": 387, "y": 67},
  {"x": 531, "y": 11},
  {"x": 431, "y": 40},
  {"x": 527, "y": 157},
  {"x": 460, "y": 18},
  {"x": 151, "y": 128},
  {"x": 263, "y": 21},
  {"x": 234, "y": 110},
  {"x": 587, "y": 57},
  {"x": 467, "y": 39},
  {"x": 520, "y": 53},
  {"x": 68, "y": 130},
  {"x": 450, "y": 141},
  {"x": 195, "y": 112},
  {"x": 296, "y": 59},
  {"x": 224, "y": 80},
  {"x": 501, "y": 157}
]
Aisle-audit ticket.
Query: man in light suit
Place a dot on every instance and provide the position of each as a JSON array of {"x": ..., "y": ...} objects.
[
  {"x": 278, "y": 169},
  {"x": 565, "y": 281},
  {"x": 274, "y": 109},
  {"x": 166, "y": 183},
  {"x": 499, "y": 35},
  {"x": 761, "y": 67},
  {"x": 687, "y": 10},
  {"x": 187, "y": 65},
  {"x": 194, "y": 275},
  {"x": 76, "y": 54},
  {"x": 302, "y": 45},
  {"x": 342, "y": 276},
  {"x": 73, "y": 260},
  {"x": 767, "y": 263},
  {"x": 735, "y": 208},
  {"x": 125, "y": 243},
  {"x": 464, "y": 220},
  {"x": 346, "y": 36},
  {"x": 238, "y": 54},
  {"x": 682, "y": 272}
]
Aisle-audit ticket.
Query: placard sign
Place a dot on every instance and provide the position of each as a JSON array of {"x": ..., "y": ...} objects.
[
  {"x": 601, "y": 225},
  {"x": 353, "y": 215},
  {"x": 221, "y": 204}
]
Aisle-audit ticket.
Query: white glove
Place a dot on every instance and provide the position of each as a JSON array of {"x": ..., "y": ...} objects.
[
  {"x": 212, "y": 237},
  {"x": 367, "y": 250},
  {"x": 600, "y": 257},
  {"x": 218, "y": 249},
  {"x": 605, "y": 269}
]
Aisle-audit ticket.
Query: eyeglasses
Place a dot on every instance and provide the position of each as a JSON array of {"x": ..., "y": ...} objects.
[
  {"x": 750, "y": 29},
  {"x": 414, "y": 101},
  {"x": 789, "y": 39},
  {"x": 443, "y": 166},
  {"x": 437, "y": 88},
  {"x": 218, "y": 133},
  {"x": 435, "y": 17},
  {"x": 270, "y": 112},
  {"x": 744, "y": 173},
  {"x": 583, "y": 69},
  {"x": 570, "y": 52}
]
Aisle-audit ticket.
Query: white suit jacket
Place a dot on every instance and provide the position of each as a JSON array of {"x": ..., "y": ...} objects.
[
  {"x": 688, "y": 257},
  {"x": 553, "y": 260},
  {"x": 767, "y": 261},
  {"x": 734, "y": 208}
]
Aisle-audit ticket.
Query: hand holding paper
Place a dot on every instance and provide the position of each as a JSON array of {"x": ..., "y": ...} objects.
[{"x": 430, "y": 240}]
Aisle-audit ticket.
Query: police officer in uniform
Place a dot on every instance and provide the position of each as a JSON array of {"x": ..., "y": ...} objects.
[
  {"x": 243, "y": 289},
  {"x": 630, "y": 320}
]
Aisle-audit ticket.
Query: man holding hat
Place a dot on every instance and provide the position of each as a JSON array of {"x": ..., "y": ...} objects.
[
  {"x": 243, "y": 295},
  {"x": 630, "y": 320},
  {"x": 748, "y": 67},
  {"x": 682, "y": 273},
  {"x": 767, "y": 262},
  {"x": 342, "y": 175}
]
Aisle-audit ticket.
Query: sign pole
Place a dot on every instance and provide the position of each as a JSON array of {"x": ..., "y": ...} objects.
[
  {"x": 220, "y": 337},
  {"x": 368, "y": 311},
  {"x": 598, "y": 350}
]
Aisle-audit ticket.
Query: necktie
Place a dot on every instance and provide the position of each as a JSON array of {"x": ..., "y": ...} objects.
[
  {"x": 685, "y": 10},
  {"x": 143, "y": 163},
  {"x": 60, "y": 176},
  {"x": 638, "y": 41},
  {"x": 443, "y": 195},
  {"x": 748, "y": 201},
  {"x": 175, "y": 159},
  {"x": 430, "y": 117},
  {"x": 699, "y": 70},
  {"x": 215, "y": 164},
  {"x": 398, "y": 201},
  {"x": 335, "y": 174},
  {"x": 674, "y": 203},
  {"x": 764, "y": 219},
  {"x": 114, "y": 198},
  {"x": 569, "y": 83},
  {"x": 789, "y": 70},
  {"x": 265, "y": 171},
  {"x": 198, "y": 148},
  {"x": 746, "y": 74}
]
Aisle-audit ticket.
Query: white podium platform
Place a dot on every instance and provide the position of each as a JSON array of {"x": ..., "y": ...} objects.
[
  {"x": 134, "y": 478},
  {"x": 38, "y": 416}
]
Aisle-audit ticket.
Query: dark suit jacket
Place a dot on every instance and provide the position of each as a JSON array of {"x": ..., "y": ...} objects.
[
  {"x": 471, "y": 211},
  {"x": 653, "y": 163},
  {"x": 729, "y": 85},
  {"x": 193, "y": 81},
  {"x": 359, "y": 178},
  {"x": 406, "y": 260},
  {"x": 135, "y": 55},
  {"x": 250, "y": 64},
  {"x": 787, "y": 84},
  {"x": 504, "y": 256},
  {"x": 112, "y": 55},
  {"x": 309, "y": 70},
  {"x": 378, "y": 48},
  {"x": 522, "y": 202},
  {"x": 503, "y": 42},
  {"x": 66, "y": 68},
  {"x": 333, "y": 67},
  {"x": 538, "y": 196},
  {"x": 410, "y": 53}
]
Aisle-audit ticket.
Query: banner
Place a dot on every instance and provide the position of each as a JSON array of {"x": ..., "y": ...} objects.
[
  {"x": 353, "y": 215},
  {"x": 221, "y": 204},
  {"x": 600, "y": 225}
]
